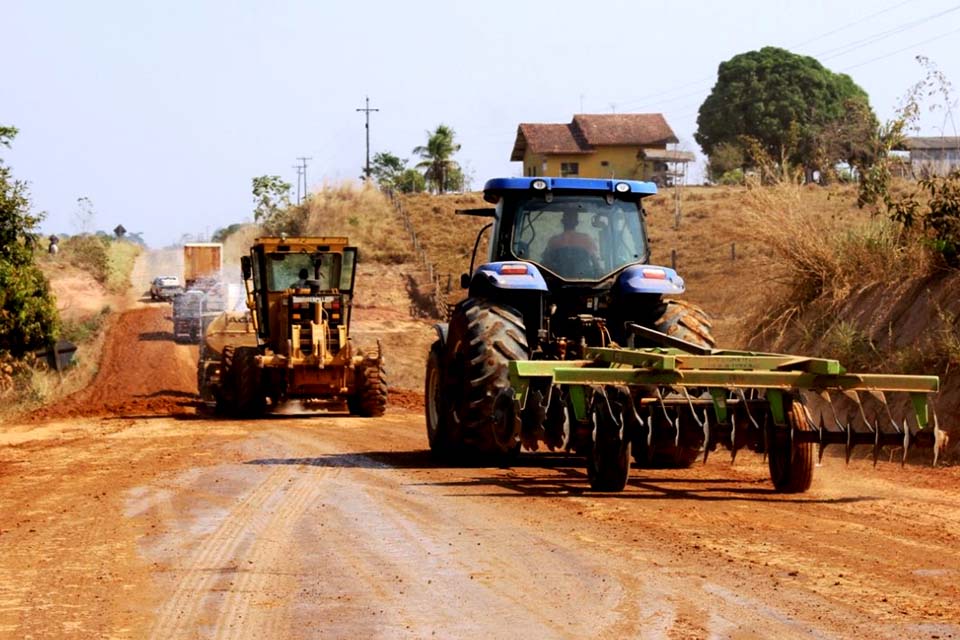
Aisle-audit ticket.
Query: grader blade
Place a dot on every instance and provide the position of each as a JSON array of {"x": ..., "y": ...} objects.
[{"x": 776, "y": 404}]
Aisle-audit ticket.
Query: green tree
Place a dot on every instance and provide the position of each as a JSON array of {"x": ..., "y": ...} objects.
[
  {"x": 411, "y": 181},
  {"x": 727, "y": 158},
  {"x": 785, "y": 102},
  {"x": 386, "y": 169},
  {"x": 221, "y": 234},
  {"x": 28, "y": 315},
  {"x": 271, "y": 197},
  {"x": 437, "y": 157}
]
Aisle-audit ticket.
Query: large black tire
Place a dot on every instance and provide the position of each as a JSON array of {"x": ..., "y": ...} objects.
[
  {"x": 484, "y": 337},
  {"x": 226, "y": 394},
  {"x": 439, "y": 436},
  {"x": 250, "y": 400},
  {"x": 608, "y": 462},
  {"x": 791, "y": 463},
  {"x": 680, "y": 319},
  {"x": 371, "y": 398}
]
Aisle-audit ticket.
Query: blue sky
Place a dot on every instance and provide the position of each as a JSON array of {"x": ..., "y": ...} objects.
[{"x": 162, "y": 112}]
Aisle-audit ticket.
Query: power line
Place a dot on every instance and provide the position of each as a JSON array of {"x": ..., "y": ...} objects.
[
  {"x": 367, "y": 110},
  {"x": 893, "y": 53},
  {"x": 851, "y": 24},
  {"x": 883, "y": 35},
  {"x": 645, "y": 101}
]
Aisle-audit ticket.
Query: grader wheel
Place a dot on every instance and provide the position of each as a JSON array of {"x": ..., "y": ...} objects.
[{"x": 371, "y": 394}]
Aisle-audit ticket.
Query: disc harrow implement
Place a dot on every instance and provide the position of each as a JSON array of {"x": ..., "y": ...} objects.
[{"x": 671, "y": 405}]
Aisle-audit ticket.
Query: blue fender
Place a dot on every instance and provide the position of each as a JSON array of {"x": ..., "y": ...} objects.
[
  {"x": 510, "y": 275},
  {"x": 650, "y": 279}
]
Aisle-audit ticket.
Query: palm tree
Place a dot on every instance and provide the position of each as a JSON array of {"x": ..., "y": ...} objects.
[{"x": 436, "y": 157}]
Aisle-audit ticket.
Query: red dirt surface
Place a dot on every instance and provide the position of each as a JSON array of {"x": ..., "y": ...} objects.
[{"x": 136, "y": 375}]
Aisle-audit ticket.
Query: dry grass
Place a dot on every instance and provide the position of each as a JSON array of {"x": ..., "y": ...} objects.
[
  {"x": 447, "y": 238},
  {"x": 821, "y": 253},
  {"x": 360, "y": 212}
]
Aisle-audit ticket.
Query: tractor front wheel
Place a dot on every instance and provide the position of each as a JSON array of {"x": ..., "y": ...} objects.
[{"x": 791, "y": 463}]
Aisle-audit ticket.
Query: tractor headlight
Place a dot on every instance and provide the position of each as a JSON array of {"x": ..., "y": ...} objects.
[
  {"x": 622, "y": 187},
  {"x": 539, "y": 185}
]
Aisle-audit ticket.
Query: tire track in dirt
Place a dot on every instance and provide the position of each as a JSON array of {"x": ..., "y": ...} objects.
[
  {"x": 265, "y": 561},
  {"x": 209, "y": 566}
]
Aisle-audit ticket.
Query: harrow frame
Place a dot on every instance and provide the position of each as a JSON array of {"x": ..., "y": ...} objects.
[{"x": 727, "y": 375}]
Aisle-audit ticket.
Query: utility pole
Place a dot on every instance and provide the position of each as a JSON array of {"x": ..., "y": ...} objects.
[
  {"x": 302, "y": 170},
  {"x": 366, "y": 110},
  {"x": 299, "y": 173}
]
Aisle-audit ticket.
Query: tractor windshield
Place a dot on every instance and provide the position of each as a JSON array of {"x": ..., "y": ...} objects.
[
  {"x": 579, "y": 237},
  {"x": 292, "y": 270}
]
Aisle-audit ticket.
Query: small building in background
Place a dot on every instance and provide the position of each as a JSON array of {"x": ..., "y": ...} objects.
[
  {"x": 933, "y": 155},
  {"x": 623, "y": 145}
]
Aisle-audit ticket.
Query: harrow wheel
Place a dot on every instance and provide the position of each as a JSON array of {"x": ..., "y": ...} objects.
[
  {"x": 608, "y": 461},
  {"x": 483, "y": 338},
  {"x": 791, "y": 463},
  {"x": 680, "y": 319}
]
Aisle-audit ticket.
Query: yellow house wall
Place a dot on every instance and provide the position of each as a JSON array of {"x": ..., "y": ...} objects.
[{"x": 622, "y": 163}]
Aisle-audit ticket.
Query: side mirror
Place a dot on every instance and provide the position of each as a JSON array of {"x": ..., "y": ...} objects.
[
  {"x": 246, "y": 267},
  {"x": 464, "y": 280}
]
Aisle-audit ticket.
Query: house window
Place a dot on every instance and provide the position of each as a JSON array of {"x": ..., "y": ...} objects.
[
  {"x": 569, "y": 169},
  {"x": 604, "y": 163}
]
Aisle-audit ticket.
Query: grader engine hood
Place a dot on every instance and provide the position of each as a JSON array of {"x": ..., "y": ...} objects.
[{"x": 230, "y": 328}]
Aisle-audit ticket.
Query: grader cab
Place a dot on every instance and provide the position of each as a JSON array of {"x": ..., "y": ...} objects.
[{"x": 294, "y": 344}]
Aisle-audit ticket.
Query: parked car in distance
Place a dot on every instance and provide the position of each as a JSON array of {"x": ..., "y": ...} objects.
[{"x": 164, "y": 287}]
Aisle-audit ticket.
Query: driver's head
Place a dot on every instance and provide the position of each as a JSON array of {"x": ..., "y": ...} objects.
[
  {"x": 303, "y": 274},
  {"x": 570, "y": 220}
]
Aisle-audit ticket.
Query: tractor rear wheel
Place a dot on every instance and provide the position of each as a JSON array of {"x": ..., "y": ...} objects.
[
  {"x": 791, "y": 463},
  {"x": 371, "y": 390},
  {"x": 484, "y": 337},
  {"x": 250, "y": 401},
  {"x": 435, "y": 405},
  {"x": 680, "y": 319}
]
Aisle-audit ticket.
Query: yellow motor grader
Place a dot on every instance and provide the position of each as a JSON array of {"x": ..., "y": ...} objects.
[{"x": 293, "y": 343}]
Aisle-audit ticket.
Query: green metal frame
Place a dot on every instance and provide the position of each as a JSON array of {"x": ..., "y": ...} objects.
[{"x": 720, "y": 371}]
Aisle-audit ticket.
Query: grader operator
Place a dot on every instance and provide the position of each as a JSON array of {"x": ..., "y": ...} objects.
[{"x": 294, "y": 343}]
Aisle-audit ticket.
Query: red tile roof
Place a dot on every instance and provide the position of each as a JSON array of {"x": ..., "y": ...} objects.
[{"x": 588, "y": 131}]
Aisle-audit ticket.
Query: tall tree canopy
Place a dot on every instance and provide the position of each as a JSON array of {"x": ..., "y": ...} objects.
[
  {"x": 28, "y": 314},
  {"x": 791, "y": 105},
  {"x": 440, "y": 170}
]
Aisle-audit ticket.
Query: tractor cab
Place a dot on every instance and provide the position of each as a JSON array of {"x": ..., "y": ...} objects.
[{"x": 572, "y": 255}]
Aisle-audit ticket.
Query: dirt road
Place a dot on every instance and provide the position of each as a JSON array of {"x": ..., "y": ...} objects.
[{"x": 147, "y": 522}]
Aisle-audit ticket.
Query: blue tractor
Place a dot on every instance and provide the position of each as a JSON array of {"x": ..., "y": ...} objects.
[{"x": 568, "y": 270}]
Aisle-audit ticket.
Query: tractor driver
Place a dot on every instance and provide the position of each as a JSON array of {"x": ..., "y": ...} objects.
[{"x": 570, "y": 238}]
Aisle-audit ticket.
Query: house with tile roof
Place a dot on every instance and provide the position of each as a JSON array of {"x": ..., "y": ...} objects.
[{"x": 622, "y": 145}]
